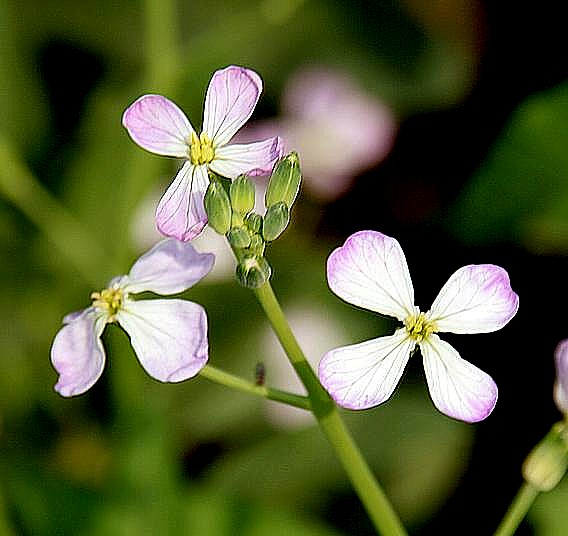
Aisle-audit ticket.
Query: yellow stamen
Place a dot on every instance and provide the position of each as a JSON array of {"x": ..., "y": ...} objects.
[
  {"x": 419, "y": 327},
  {"x": 108, "y": 300},
  {"x": 201, "y": 149}
]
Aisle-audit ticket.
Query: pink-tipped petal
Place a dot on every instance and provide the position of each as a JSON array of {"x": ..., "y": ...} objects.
[
  {"x": 364, "y": 375},
  {"x": 181, "y": 212},
  {"x": 370, "y": 271},
  {"x": 168, "y": 336},
  {"x": 231, "y": 98},
  {"x": 476, "y": 299},
  {"x": 158, "y": 125},
  {"x": 77, "y": 353},
  {"x": 457, "y": 388},
  {"x": 561, "y": 384},
  {"x": 254, "y": 159},
  {"x": 169, "y": 267}
]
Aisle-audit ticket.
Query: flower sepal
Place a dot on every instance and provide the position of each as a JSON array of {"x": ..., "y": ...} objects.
[
  {"x": 547, "y": 463},
  {"x": 218, "y": 207},
  {"x": 241, "y": 193},
  {"x": 253, "y": 271},
  {"x": 285, "y": 181},
  {"x": 276, "y": 220},
  {"x": 239, "y": 237}
]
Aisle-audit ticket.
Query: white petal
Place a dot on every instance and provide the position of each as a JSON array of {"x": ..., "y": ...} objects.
[
  {"x": 476, "y": 299},
  {"x": 158, "y": 125},
  {"x": 181, "y": 212},
  {"x": 231, "y": 98},
  {"x": 168, "y": 336},
  {"x": 458, "y": 388},
  {"x": 253, "y": 159},
  {"x": 561, "y": 384},
  {"x": 370, "y": 271},
  {"x": 169, "y": 267},
  {"x": 364, "y": 375},
  {"x": 77, "y": 353}
]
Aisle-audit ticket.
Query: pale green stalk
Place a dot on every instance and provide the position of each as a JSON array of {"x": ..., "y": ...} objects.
[
  {"x": 366, "y": 486},
  {"x": 234, "y": 382},
  {"x": 518, "y": 510}
]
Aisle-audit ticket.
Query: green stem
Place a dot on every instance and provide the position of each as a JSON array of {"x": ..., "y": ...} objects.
[
  {"x": 234, "y": 382},
  {"x": 372, "y": 496},
  {"x": 518, "y": 510},
  {"x": 22, "y": 188},
  {"x": 161, "y": 41}
]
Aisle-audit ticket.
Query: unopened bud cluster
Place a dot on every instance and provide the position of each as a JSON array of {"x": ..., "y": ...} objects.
[{"x": 230, "y": 212}]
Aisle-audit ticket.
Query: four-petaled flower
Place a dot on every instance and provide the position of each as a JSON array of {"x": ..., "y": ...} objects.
[
  {"x": 370, "y": 271},
  {"x": 168, "y": 336},
  {"x": 159, "y": 126},
  {"x": 561, "y": 384}
]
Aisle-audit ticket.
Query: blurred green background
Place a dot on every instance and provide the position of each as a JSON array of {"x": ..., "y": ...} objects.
[{"x": 464, "y": 161}]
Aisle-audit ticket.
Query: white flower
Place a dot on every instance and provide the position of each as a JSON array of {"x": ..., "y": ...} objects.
[
  {"x": 370, "y": 271},
  {"x": 159, "y": 126},
  {"x": 168, "y": 336}
]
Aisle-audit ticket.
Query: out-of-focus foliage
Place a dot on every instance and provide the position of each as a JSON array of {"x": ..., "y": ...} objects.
[
  {"x": 520, "y": 193},
  {"x": 137, "y": 457}
]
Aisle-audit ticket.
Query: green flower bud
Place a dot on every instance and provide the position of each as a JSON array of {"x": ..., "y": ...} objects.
[
  {"x": 257, "y": 245},
  {"x": 237, "y": 220},
  {"x": 239, "y": 237},
  {"x": 548, "y": 461},
  {"x": 284, "y": 183},
  {"x": 276, "y": 220},
  {"x": 241, "y": 192},
  {"x": 254, "y": 222},
  {"x": 253, "y": 271},
  {"x": 218, "y": 207}
]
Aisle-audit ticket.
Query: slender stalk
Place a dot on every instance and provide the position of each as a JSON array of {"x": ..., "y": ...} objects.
[
  {"x": 518, "y": 510},
  {"x": 234, "y": 382},
  {"x": 23, "y": 189},
  {"x": 160, "y": 40},
  {"x": 376, "y": 503}
]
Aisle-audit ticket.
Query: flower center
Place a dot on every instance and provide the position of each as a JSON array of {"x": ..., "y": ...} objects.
[
  {"x": 108, "y": 300},
  {"x": 419, "y": 327},
  {"x": 201, "y": 149}
]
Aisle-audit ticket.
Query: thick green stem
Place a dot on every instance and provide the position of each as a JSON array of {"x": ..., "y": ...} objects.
[
  {"x": 234, "y": 382},
  {"x": 518, "y": 510},
  {"x": 21, "y": 187},
  {"x": 372, "y": 496}
]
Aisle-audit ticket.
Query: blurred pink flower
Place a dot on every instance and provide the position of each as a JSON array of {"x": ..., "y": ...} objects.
[
  {"x": 338, "y": 130},
  {"x": 561, "y": 384}
]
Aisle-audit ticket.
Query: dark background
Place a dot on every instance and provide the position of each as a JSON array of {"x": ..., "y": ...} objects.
[{"x": 476, "y": 174}]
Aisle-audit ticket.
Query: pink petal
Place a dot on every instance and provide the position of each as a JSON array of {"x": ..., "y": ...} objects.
[
  {"x": 561, "y": 385},
  {"x": 458, "y": 388},
  {"x": 77, "y": 353},
  {"x": 364, "y": 375},
  {"x": 169, "y": 267},
  {"x": 253, "y": 159},
  {"x": 231, "y": 98},
  {"x": 158, "y": 125},
  {"x": 370, "y": 271},
  {"x": 180, "y": 212},
  {"x": 168, "y": 336},
  {"x": 476, "y": 299}
]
